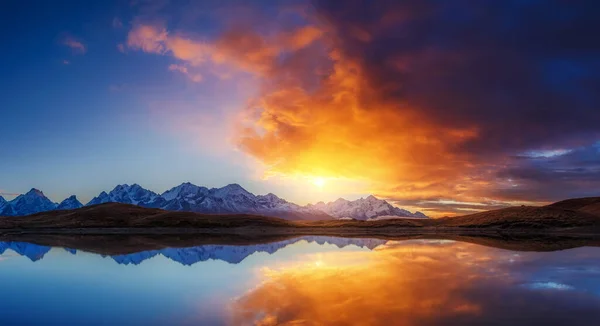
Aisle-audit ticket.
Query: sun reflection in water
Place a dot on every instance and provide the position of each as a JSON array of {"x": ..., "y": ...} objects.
[{"x": 408, "y": 283}]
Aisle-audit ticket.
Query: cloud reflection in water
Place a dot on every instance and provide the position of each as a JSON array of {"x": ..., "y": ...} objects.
[{"x": 424, "y": 283}]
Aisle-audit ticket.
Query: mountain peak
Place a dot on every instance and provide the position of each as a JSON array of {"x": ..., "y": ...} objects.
[
  {"x": 186, "y": 189},
  {"x": 231, "y": 189},
  {"x": 70, "y": 203},
  {"x": 365, "y": 209},
  {"x": 35, "y": 192},
  {"x": 232, "y": 198},
  {"x": 31, "y": 202},
  {"x": 2, "y": 200},
  {"x": 121, "y": 187},
  {"x": 233, "y": 186}
]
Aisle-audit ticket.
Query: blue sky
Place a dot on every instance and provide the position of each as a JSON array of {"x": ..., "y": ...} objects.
[
  {"x": 82, "y": 121},
  {"x": 404, "y": 100}
]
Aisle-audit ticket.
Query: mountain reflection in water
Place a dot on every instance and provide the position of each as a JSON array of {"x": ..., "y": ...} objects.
[
  {"x": 304, "y": 281},
  {"x": 191, "y": 255}
]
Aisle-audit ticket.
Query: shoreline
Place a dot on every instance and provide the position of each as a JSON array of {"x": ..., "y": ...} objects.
[
  {"x": 305, "y": 230},
  {"x": 126, "y": 240}
]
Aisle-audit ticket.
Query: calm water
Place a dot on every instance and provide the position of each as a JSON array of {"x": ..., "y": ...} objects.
[{"x": 305, "y": 281}]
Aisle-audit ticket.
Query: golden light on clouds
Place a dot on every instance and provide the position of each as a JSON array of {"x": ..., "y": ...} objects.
[
  {"x": 419, "y": 118},
  {"x": 337, "y": 126}
]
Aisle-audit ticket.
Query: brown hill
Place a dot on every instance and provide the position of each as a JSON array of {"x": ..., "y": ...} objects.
[
  {"x": 524, "y": 217},
  {"x": 573, "y": 214},
  {"x": 111, "y": 215},
  {"x": 589, "y": 205}
]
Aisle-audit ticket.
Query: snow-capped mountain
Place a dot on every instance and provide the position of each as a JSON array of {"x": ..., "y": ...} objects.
[
  {"x": 191, "y": 255},
  {"x": 3, "y": 202},
  {"x": 232, "y": 198},
  {"x": 364, "y": 209},
  {"x": 32, "y": 202},
  {"x": 185, "y": 190},
  {"x": 70, "y": 203},
  {"x": 126, "y": 194}
]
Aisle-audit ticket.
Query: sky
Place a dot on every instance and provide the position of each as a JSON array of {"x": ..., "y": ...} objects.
[{"x": 448, "y": 107}]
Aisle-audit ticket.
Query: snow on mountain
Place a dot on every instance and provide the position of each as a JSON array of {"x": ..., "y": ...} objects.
[
  {"x": 232, "y": 198},
  {"x": 185, "y": 190},
  {"x": 100, "y": 199},
  {"x": 126, "y": 194},
  {"x": 3, "y": 202},
  {"x": 32, "y": 202},
  {"x": 70, "y": 203},
  {"x": 365, "y": 209}
]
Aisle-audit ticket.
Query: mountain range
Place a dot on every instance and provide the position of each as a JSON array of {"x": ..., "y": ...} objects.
[
  {"x": 232, "y": 198},
  {"x": 191, "y": 255}
]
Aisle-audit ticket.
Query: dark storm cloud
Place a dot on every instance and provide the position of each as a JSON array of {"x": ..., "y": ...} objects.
[
  {"x": 524, "y": 74},
  {"x": 576, "y": 173}
]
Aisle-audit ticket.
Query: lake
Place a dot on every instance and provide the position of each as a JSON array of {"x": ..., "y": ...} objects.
[{"x": 303, "y": 281}]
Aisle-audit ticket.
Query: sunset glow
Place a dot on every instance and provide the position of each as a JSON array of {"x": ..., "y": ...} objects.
[
  {"x": 300, "y": 162},
  {"x": 215, "y": 93},
  {"x": 319, "y": 182}
]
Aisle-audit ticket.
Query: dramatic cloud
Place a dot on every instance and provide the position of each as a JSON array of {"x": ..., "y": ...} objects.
[
  {"x": 428, "y": 102},
  {"x": 427, "y": 106},
  {"x": 77, "y": 46}
]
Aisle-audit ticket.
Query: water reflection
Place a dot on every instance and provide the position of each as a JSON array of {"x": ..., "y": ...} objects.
[
  {"x": 192, "y": 255},
  {"x": 303, "y": 281},
  {"x": 428, "y": 283}
]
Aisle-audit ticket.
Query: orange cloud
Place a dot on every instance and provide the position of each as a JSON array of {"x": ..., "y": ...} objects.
[
  {"x": 419, "y": 115},
  {"x": 75, "y": 45},
  {"x": 196, "y": 78},
  {"x": 240, "y": 49},
  {"x": 343, "y": 128},
  {"x": 335, "y": 129},
  {"x": 148, "y": 38}
]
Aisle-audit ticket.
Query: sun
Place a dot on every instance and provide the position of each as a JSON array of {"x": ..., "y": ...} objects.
[{"x": 319, "y": 182}]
